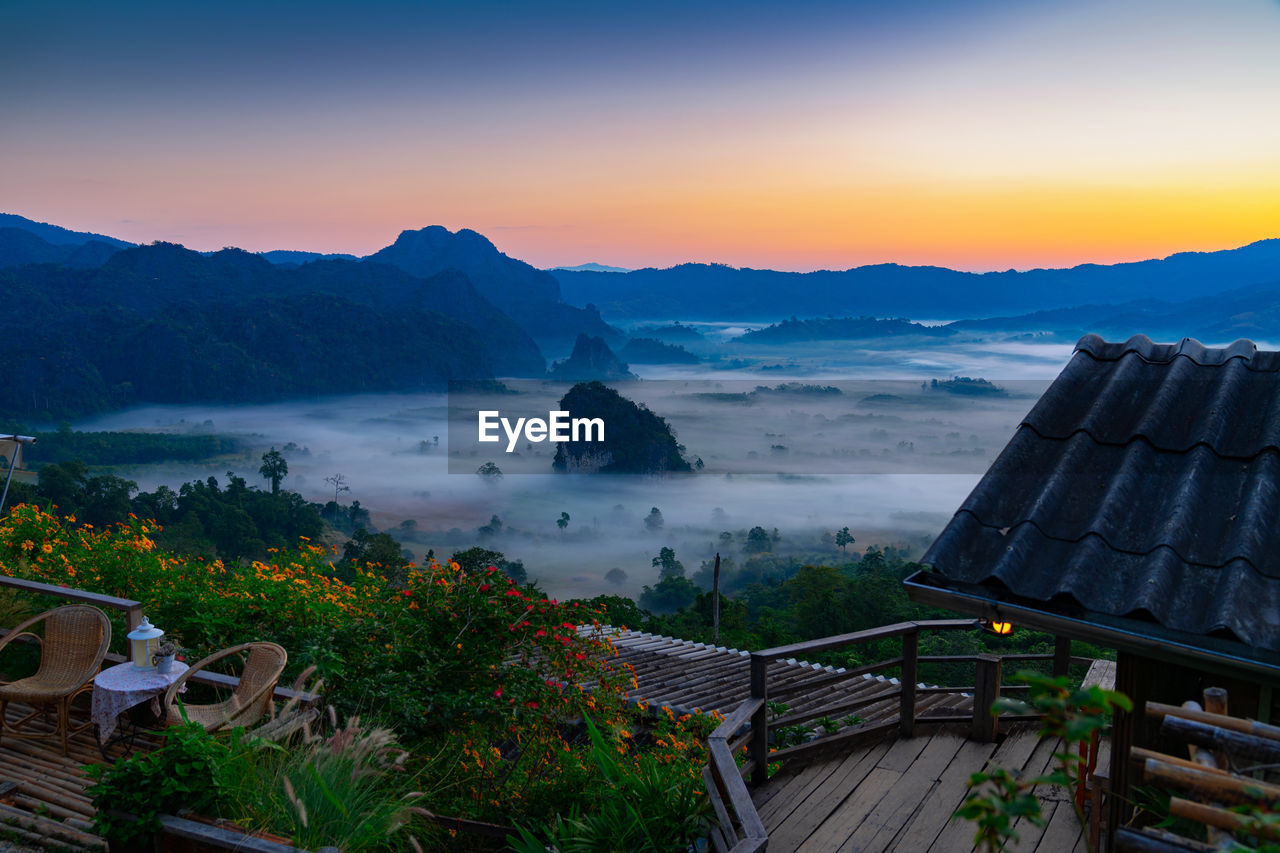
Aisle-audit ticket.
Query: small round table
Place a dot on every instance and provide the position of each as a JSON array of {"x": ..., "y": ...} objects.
[{"x": 121, "y": 688}]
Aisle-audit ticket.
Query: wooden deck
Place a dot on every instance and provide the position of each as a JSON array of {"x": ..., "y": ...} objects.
[
  {"x": 48, "y": 808},
  {"x": 900, "y": 793}
]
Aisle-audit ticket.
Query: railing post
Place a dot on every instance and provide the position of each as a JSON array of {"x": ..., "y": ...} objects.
[
  {"x": 760, "y": 720},
  {"x": 985, "y": 693},
  {"x": 1061, "y": 656},
  {"x": 910, "y": 655},
  {"x": 132, "y": 619}
]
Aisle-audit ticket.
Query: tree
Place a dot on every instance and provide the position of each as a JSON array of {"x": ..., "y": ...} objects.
[
  {"x": 844, "y": 537},
  {"x": 489, "y": 472},
  {"x": 476, "y": 560},
  {"x": 563, "y": 521},
  {"x": 667, "y": 564},
  {"x": 653, "y": 521},
  {"x": 758, "y": 541},
  {"x": 375, "y": 549},
  {"x": 274, "y": 469},
  {"x": 339, "y": 484},
  {"x": 669, "y": 595},
  {"x": 492, "y": 528},
  {"x": 615, "y": 576}
]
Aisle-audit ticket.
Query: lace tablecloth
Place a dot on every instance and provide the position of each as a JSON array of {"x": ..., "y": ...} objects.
[{"x": 123, "y": 686}]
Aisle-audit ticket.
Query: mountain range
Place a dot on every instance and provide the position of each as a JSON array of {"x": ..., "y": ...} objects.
[
  {"x": 98, "y": 323},
  {"x": 526, "y": 294},
  {"x": 164, "y": 324},
  {"x": 716, "y": 292}
]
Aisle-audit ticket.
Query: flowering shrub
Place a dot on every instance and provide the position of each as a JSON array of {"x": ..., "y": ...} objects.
[{"x": 488, "y": 682}]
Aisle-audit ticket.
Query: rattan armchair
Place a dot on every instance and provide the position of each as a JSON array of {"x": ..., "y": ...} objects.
[
  {"x": 252, "y": 696},
  {"x": 74, "y": 643}
]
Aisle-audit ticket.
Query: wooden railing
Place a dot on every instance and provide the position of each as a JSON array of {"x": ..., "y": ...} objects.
[
  {"x": 985, "y": 689},
  {"x": 132, "y": 611},
  {"x": 740, "y": 829}
]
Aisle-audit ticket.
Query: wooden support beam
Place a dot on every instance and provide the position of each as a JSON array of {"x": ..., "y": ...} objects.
[
  {"x": 986, "y": 691},
  {"x": 760, "y": 720},
  {"x": 907, "y": 706},
  {"x": 1061, "y": 656}
]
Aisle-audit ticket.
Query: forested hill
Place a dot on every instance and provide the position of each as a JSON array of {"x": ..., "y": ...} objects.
[
  {"x": 717, "y": 292},
  {"x": 56, "y": 234},
  {"x": 528, "y": 294},
  {"x": 164, "y": 324}
]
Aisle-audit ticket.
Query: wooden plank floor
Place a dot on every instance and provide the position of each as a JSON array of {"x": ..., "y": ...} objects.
[
  {"x": 49, "y": 807},
  {"x": 899, "y": 794}
]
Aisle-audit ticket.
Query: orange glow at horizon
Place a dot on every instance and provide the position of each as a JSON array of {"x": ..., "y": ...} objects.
[{"x": 1040, "y": 136}]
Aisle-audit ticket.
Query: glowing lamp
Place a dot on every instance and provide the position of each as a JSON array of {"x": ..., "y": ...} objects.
[
  {"x": 1000, "y": 628},
  {"x": 143, "y": 641}
]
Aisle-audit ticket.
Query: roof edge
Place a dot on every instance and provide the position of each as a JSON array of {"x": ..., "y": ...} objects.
[{"x": 1145, "y": 349}]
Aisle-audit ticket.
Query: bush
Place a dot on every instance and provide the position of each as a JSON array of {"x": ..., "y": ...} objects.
[{"x": 481, "y": 676}]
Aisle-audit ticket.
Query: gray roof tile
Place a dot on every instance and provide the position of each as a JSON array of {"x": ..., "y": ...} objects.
[{"x": 1146, "y": 483}]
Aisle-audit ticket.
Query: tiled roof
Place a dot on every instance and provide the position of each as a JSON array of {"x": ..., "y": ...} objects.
[{"x": 1144, "y": 483}]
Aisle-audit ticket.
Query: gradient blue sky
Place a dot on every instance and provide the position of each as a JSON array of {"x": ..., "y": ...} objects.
[{"x": 799, "y": 136}]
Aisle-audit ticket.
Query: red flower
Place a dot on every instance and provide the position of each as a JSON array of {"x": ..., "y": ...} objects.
[
  {"x": 580, "y": 656},
  {"x": 497, "y": 694},
  {"x": 406, "y": 593},
  {"x": 484, "y": 587},
  {"x": 540, "y": 633},
  {"x": 531, "y": 704},
  {"x": 513, "y": 592}
]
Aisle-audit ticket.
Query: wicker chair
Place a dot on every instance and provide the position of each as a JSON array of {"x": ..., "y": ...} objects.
[
  {"x": 252, "y": 696},
  {"x": 74, "y": 643}
]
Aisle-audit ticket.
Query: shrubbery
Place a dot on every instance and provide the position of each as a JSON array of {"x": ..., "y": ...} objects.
[{"x": 482, "y": 678}]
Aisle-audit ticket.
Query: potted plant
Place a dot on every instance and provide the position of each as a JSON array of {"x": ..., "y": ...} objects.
[{"x": 166, "y": 653}]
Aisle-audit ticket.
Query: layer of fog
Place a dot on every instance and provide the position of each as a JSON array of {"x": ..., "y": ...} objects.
[{"x": 887, "y": 458}]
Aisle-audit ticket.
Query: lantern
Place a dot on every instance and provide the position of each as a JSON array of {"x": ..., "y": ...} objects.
[
  {"x": 143, "y": 641},
  {"x": 1000, "y": 628}
]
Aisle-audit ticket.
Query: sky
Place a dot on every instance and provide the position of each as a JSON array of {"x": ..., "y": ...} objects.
[{"x": 806, "y": 135}]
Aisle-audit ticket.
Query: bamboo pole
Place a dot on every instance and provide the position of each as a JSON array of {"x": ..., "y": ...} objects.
[
  {"x": 1217, "y": 817},
  {"x": 1214, "y": 786},
  {"x": 1144, "y": 754},
  {"x": 1211, "y": 737},
  {"x": 1237, "y": 724}
]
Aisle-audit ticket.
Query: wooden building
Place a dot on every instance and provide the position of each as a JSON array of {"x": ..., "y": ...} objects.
[{"x": 1137, "y": 507}]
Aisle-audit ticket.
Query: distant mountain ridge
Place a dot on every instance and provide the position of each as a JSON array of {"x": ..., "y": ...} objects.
[
  {"x": 287, "y": 256},
  {"x": 591, "y": 267},
  {"x": 1246, "y": 312},
  {"x": 20, "y": 246},
  {"x": 56, "y": 234},
  {"x": 164, "y": 324},
  {"x": 716, "y": 292},
  {"x": 529, "y": 295}
]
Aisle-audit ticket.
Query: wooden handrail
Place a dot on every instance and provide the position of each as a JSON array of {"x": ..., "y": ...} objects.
[
  {"x": 132, "y": 609},
  {"x": 740, "y": 829},
  {"x": 824, "y": 644},
  {"x": 908, "y": 661}
]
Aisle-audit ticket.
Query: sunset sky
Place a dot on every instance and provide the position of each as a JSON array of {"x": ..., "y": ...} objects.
[{"x": 805, "y": 135}]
